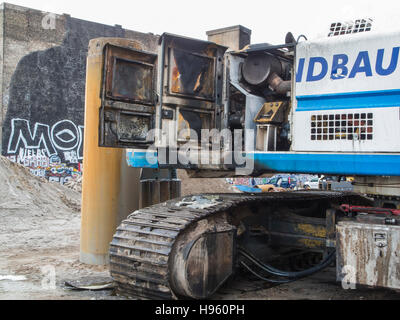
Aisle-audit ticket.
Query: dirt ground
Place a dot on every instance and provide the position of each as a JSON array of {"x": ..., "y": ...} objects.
[
  {"x": 198, "y": 186},
  {"x": 39, "y": 235}
]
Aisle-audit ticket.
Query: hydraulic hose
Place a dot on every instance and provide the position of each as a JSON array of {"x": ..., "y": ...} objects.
[
  {"x": 292, "y": 275},
  {"x": 263, "y": 278}
]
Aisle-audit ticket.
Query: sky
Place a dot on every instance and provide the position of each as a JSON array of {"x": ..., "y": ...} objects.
[{"x": 269, "y": 20}]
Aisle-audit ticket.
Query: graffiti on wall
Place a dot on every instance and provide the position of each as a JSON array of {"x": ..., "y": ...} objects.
[
  {"x": 250, "y": 182},
  {"x": 53, "y": 152},
  {"x": 42, "y": 109}
]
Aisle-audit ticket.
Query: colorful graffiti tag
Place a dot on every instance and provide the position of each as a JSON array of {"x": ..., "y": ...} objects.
[
  {"x": 52, "y": 152},
  {"x": 250, "y": 182}
]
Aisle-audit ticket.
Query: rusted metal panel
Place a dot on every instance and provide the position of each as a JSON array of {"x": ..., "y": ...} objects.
[
  {"x": 191, "y": 74},
  {"x": 176, "y": 188},
  {"x": 291, "y": 230},
  {"x": 133, "y": 127},
  {"x": 127, "y": 113},
  {"x": 193, "y": 120},
  {"x": 192, "y": 81},
  {"x": 195, "y": 70},
  {"x": 156, "y": 186},
  {"x": 203, "y": 259},
  {"x": 331, "y": 228},
  {"x": 369, "y": 254},
  {"x": 124, "y": 129},
  {"x": 130, "y": 75},
  {"x": 190, "y": 92}
]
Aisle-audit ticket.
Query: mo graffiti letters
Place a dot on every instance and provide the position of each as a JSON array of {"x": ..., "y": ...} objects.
[{"x": 53, "y": 151}]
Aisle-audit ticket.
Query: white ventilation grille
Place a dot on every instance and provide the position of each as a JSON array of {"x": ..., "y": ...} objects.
[
  {"x": 341, "y": 28},
  {"x": 352, "y": 126}
]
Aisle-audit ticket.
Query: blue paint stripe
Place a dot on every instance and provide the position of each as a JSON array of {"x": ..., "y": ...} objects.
[
  {"x": 336, "y": 164},
  {"x": 349, "y": 100},
  {"x": 322, "y": 163},
  {"x": 247, "y": 189},
  {"x": 142, "y": 159}
]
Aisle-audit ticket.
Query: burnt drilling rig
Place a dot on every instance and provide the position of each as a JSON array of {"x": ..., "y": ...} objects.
[{"x": 327, "y": 106}]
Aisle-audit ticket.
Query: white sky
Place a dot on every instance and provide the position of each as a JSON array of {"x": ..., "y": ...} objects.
[{"x": 269, "y": 20}]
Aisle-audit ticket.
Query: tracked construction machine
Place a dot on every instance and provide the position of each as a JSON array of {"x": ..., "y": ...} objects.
[{"x": 329, "y": 106}]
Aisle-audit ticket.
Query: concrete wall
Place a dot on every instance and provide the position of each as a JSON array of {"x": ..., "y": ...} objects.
[
  {"x": 235, "y": 38},
  {"x": 42, "y": 87}
]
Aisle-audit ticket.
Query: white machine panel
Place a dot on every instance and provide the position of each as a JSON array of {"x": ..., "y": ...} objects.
[
  {"x": 347, "y": 95},
  {"x": 349, "y": 63},
  {"x": 368, "y": 254},
  {"x": 348, "y": 130}
]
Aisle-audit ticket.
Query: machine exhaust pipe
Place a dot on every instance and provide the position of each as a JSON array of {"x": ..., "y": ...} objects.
[
  {"x": 262, "y": 70},
  {"x": 278, "y": 85}
]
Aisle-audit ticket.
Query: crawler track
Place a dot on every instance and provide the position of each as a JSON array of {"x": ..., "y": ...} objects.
[{"x": 141, "y": 249}]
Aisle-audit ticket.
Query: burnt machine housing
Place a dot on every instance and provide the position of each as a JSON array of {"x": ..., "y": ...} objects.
[
  {"x": 127, "y": 113},
  {"x": 191, "y": 80},
  {"x": 193, "y": 85},
  {"x": 259, "y": 95}
]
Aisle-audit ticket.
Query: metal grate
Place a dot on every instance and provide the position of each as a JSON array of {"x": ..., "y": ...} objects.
[
  {"x": 352, "y": 126},
  {"x": 360, "y": 25}
]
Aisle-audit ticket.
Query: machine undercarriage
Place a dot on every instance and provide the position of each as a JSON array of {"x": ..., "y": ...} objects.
[{"x": 189, "y": 247}]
